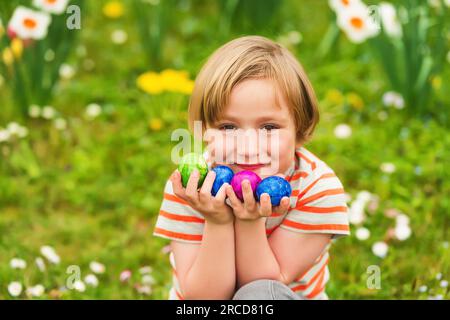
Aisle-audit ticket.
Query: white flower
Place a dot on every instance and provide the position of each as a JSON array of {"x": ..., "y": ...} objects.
[
  {"x": 387, "y": 167},
  {"x": 119, "y": 36},
  {"x": 34, "y": 111},
  {"x": 36, "y": 291},
  {"x": 444, "y": 284},
  {"x": 356, "y": 212},
  {"x": 51, "y": 6},
  {"x": 393, "y": 99},
  {"x": 147, "y": 290},
  {"x": 343, "y": 131},
  {"x": 125, "y": 275},
  {"x": 145, "y": 270},
  {"x": 91, "y": 280},
  {"x": 93, "y": 110},
  {"x": 391, "y": 24},
  {"x": 423, "y": 288},
  {"x": 148, "y": 279},
  {"x": 17, "y": 263},
  {"x": 380, "y": 249},
  {"x": 362, "y": 233},
  {"x": 40, "y": 264},
  {"x": 364, "y": 196},
  {"x": 97, "y": 267},
  {"x": 401, "y": 219},
  {"x": 29, "y": 24},
  {"x": 438, "y": 276},
  {"x": 66, "y": 71},
  {"x": 79, "y": 286},
  {"x": 60, "y": 124},
  {"x": 50, "y": 254},
  {"x": 339, "y": 5},
  {"x": 402, "y": 232},
  {"x": 15, "y": 288},
  {"x": 16, "y": 129},
  {"x": 357, "y": 23},
  {"x": 48, "y": 112},
  {"x": 4, "y": 135}
]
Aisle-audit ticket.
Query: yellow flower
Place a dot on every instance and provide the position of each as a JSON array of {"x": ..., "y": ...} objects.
[
  {"x": 169, "y": 79},
  {"x": 436, "y": 82},
  {"x": 355, "y": 101},
  {"x": 150, "y": 82},
  {"x": 155, "y": 124},
  {"x": 113, "y": 9},
  {"x": 8, "y": 56},
  {"x": 17, "y": 47},
  {"x": 334, "y": 96}
]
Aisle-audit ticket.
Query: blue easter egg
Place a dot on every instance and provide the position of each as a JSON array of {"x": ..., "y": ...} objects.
[
  {"x": 276, "y": 187},
  {"x": 223, "y": 175}
]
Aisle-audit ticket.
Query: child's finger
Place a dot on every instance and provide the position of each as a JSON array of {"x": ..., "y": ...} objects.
[
  {"x": 283, "y": 206},
  {"x": 178, "y": 189},
  {"x": 192, "y": 186},
  {"x": 247, "y": 193},
  {"x": 265, "y": 205},
  {"x": 235, "y": 202},
  {"x": 205, "y": 190},
  {"x": 222, "y": 193}
]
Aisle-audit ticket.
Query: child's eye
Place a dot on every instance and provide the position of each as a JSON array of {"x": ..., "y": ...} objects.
[
  {"x": 270, "y": 127},
  {"x": 227, "y": 127}
]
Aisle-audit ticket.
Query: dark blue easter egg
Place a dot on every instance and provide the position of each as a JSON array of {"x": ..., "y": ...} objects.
[
  {"x": 276, "y": 187},
  {"x": 223, "y": 175}
]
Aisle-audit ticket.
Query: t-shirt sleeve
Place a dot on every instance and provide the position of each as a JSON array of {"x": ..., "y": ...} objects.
[
  {"x": 177, "y": 220},
  {"x": 320, "y": 207}
]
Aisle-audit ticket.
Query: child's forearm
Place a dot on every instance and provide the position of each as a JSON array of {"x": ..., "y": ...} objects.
[
  {"x": 213, "y": 273},
  {"x": 254, "y": 257}
]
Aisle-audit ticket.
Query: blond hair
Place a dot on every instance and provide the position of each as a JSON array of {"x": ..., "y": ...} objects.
[{"x": 253, "y": 57}]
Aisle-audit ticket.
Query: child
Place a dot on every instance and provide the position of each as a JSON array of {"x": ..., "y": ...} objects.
[{"x": 225, "y": 248}]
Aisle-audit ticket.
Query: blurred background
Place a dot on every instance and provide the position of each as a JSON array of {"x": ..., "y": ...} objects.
[{"x": 90, "y": 92}]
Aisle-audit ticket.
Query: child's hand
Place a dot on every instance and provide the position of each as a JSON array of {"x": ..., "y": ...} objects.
[
  {"x": 214, "y": 209},
  {"x": 251, "y": 209}
]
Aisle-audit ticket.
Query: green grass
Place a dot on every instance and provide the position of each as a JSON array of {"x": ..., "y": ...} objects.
[{"x": 93, "y": 191}]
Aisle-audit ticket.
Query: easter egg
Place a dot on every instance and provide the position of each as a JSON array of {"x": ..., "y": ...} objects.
[
  {"x": 276, "y": 187},
  {"x": 188, "y": 164},
  {"x": 224, "y": 174},
  {"x": 236, "y": 182}
]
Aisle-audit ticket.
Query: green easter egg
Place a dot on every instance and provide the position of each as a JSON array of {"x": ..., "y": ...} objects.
[{"x": 188, "y": 164}]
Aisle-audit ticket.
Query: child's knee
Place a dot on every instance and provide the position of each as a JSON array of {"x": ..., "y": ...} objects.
[{"x": 265, "y": 289}]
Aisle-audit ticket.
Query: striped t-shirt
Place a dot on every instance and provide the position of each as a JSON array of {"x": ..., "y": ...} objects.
[{"x": 317, "y": 206}]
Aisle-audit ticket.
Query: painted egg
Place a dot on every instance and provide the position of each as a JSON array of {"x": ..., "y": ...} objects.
[
  {"x": 236, "y": 182},
  {"x": 188, "y": 164},
  {"x": 276, "y": 187},
  {"x": 224, "y": 174}
]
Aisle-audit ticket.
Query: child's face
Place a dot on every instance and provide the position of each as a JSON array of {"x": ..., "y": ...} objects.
[{"x": 251, "y": 114}]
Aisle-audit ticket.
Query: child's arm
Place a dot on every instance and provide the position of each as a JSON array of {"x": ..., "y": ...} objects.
[
  {"x": 208, "y": 270},
  {"x": 284, "y": 256}
]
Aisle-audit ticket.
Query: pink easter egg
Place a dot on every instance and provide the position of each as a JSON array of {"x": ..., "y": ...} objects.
[{"x": 236, "y": 182}]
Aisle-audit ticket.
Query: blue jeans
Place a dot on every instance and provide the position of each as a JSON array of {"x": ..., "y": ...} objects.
[{"x": 265, "y": 289}]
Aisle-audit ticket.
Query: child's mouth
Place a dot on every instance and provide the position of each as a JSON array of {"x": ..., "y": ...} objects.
[{"x": 250, "y": 166}]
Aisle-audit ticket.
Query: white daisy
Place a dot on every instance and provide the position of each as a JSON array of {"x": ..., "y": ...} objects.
[
  {"x": 91, "y": 280},
  {"x": 145, "y": 270},
  {"x": 97, "y": 267},
  {"x": 51, "y": 6},
  {"x": 380, "y": 249},
  {"x": 93, "y": 110},
  {"x": 40, "y": 264},
  {"x": 393, "y": 99},
  {"x": 36, "y": 291},
  {"x": 29, "y": 24},
  {"x": 66, "y": 71},
  {"x": 4, "y": 135},
  {"x": 402, "y": 232},
  {"x": 48, "y": 112},
  {"x": 125, "y": 275},
  {"x": 356, "y": 212},
  {"x": 362, "y": 233},
  {"x": 339, "y": 5},
  {"x": 17, "y": 263},
  {"x": 119, "y": 36},
  {"x": 342, "y": 131},
  {"x": 15, "y": 288},
  {"x": 444, "y": 284},
  {"x": 79, "y": 286},
  {"x": 60, "y": 124},
  {"x": 357, "y": 23},
  {"x": 387, "y": 167},
  {"x": 148, "y": 279},
  {"x": 50, "y": 254},
  {"x": 34, "y": 111}
]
